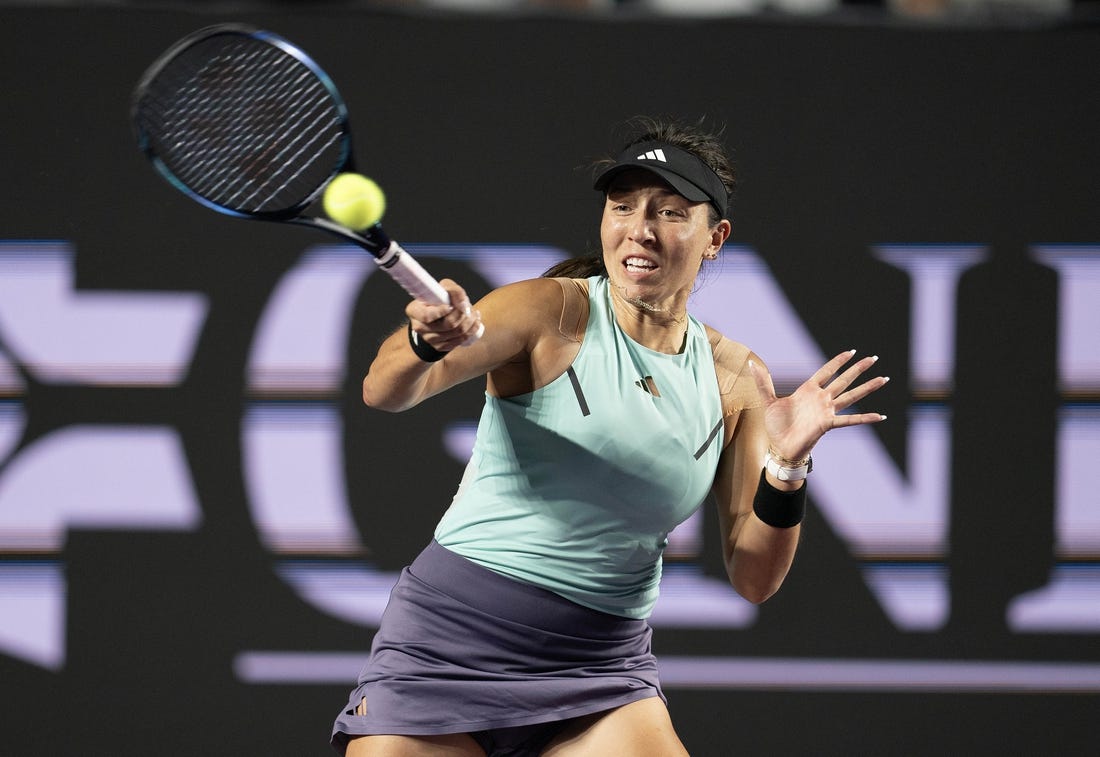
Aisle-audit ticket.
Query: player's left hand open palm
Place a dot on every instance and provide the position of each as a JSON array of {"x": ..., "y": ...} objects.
[{"x": 796, "y": 422}]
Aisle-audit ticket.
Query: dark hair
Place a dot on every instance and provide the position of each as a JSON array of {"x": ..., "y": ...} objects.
[{"x": 706, "y": 144}]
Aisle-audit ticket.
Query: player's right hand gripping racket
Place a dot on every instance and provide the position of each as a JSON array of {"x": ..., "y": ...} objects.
[{"x": 244, "y": 122}]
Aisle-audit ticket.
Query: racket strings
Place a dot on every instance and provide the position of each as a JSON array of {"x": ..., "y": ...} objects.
[
  {"x": 245, "y": 125},
  {"x": 314, "y": 132}
]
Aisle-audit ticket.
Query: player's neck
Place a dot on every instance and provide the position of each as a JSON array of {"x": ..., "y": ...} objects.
[{"x": 661, "y": 329}]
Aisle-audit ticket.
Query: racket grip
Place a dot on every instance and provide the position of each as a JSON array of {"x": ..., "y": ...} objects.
[
  {"x": 406, "y": 271},
  {"x": 412, "y": 277}
]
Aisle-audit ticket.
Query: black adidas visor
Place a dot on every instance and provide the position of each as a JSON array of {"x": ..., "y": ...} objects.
[{"x": 689, "y": 176}]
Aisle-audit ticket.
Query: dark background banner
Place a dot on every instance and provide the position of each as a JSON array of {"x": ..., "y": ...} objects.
[{"x": 848, "y": 138}]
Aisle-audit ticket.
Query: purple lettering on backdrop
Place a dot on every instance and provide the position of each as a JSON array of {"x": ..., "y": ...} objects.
[{"x": 293, "y": 457}]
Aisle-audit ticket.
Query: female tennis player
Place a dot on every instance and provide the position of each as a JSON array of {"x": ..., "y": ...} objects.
[{"x": 610, "y": 413}]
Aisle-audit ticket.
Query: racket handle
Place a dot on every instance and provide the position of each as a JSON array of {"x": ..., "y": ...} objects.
[{"x": 412, "y": 277}]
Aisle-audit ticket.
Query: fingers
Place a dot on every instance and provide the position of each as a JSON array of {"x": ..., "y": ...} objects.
[
  {"x": 445, "y": 314},
  {"x": 843, "y": 397},
  {"x": 824, "y": 375},
  {"x": 445, "y": 327},
  {"x": 827, "y": 377},
  {"x": 852, "y": 396},
  {"x": 857, "y": 419}
]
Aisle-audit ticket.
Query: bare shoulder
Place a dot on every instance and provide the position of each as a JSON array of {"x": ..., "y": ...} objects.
[
  {"x": 731, "y": 365},
  {"x": 526, "y": 292},
  {"x": 544, "y": 320},
  {"x": 522, "y": 306}
]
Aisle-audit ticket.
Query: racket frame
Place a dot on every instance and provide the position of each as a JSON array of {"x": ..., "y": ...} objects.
[{"x": 387, "y": 254}]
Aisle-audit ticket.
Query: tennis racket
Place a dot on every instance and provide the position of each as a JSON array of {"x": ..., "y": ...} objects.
[{"x": 244, "y": 122}]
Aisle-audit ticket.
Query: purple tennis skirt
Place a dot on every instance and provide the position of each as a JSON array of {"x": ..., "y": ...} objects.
[{"x": 463, "y": 649}]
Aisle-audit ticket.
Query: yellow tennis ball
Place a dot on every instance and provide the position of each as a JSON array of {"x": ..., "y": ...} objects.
[{"x": 354, "y": 201}]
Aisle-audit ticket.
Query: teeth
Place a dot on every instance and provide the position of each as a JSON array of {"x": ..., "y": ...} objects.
[{"x": 639, "y": 263}]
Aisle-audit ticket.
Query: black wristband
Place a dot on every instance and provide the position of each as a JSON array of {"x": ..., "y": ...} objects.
[
  {"x": 423, "y": 350},
  {"x": 779, "y": 508}
]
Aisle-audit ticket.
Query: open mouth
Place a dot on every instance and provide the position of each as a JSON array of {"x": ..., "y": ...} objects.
[{"x": 639, "y": 265}]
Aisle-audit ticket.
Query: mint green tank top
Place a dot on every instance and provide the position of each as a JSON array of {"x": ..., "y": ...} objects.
[{"x": 574, "y": 487}]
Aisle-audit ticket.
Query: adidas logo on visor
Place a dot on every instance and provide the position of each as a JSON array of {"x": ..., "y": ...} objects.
[{"x": 657, "y": 154}]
